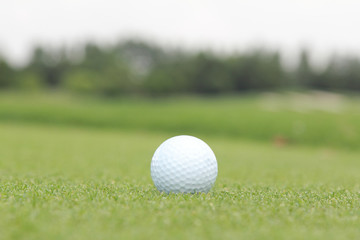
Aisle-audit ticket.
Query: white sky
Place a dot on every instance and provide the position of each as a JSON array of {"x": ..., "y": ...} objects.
[{"x": 324, "y": 26}]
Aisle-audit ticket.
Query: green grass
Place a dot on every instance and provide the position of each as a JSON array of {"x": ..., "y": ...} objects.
[
  {"x": 79, "y": 168},
  {"x": 312, "y": 119},
  {"x": 66, "y": 182}
]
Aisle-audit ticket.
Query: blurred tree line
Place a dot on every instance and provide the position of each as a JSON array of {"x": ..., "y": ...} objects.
[{"x": 143, "y": 68}]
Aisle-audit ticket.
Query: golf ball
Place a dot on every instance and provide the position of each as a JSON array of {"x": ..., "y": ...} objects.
[{"x": 184, "y": 164}]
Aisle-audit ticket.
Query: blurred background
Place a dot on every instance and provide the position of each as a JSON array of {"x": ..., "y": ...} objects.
[{"x": 279, "y": 71}]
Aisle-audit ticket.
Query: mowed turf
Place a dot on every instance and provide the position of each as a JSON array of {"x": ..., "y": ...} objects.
[
  {"x": 85, "y": 183},
  {"x": 313, "y": 119}
]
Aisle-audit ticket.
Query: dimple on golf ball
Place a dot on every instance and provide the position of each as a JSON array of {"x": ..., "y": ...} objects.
[{"x": 184, "y": 164}]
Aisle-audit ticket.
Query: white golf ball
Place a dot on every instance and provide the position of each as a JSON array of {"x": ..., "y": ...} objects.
[{"x": 184, "y": 164}]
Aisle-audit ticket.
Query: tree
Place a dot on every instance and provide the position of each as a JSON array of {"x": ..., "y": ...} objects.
[
  {"x": 49, "y": 65},
  {"x": 7, "y": 75},
  {"x": 304, "y": 74},
  {"x": 257, "y": 70}
]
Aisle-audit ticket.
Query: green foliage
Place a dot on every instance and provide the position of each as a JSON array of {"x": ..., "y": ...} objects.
[
  {"x": 49, "y": 64},
  {"x": 135, "y": 66},
  {"x": 82, "y": 81},
  {"x": 100, "y": 73},
  {"x": 259, "y": 70},
  {"x": 116, "y": 80},
  {"x": 305, "y": 74},
  {"x": 29, "y": 80},
  {"x": 91, "y": 184},
  {"x": 6, "y": 75},
  {"x": 208, "y": 74}
]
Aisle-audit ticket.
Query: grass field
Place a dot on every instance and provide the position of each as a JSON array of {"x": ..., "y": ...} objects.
[
  {"x": 81, "y": 170},
  {"x": 319, "y": 119}
]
